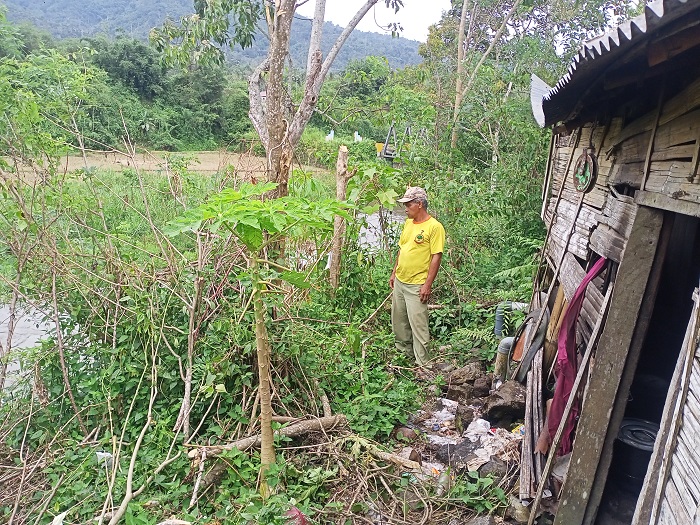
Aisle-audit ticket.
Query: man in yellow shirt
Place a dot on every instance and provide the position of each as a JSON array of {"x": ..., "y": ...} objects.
[{"x": 417, "y": 263}]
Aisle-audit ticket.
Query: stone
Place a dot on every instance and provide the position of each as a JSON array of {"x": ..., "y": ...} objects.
[
  {"x": 457, "y": 455},
  {"x": 517, "y": 510},
  {"x": 506, "y": 405},
  {"x": 411, "y": 454},
  {"x": 482, "y": 386},
  {"x": 496, "y": 468},
  {"x": 463, "y": 392},
  {"x": 467, "y": 374},
  {"x": 482, "y": 520},
  {"x": 443, "y": 368},
  {"x": 406, "y": 434},
  {"x": 464, "y": 416}
]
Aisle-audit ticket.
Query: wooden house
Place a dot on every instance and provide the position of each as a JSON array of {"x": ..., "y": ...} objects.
[{"x": 623, "y": 183}]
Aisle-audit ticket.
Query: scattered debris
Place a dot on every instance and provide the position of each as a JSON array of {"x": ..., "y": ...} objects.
[
  {"x": 58, "y": 519},
  {"x": 296, "y": 517}
]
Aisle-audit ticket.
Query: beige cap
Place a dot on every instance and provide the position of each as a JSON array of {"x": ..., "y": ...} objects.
[{"x": 413, "y": 193}]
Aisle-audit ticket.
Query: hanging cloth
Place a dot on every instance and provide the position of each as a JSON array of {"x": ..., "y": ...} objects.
[{"x": 567, "y": 364}]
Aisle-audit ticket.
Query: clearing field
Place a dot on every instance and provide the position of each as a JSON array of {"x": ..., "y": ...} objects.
[
  {"x": 244, "y": 165},
  {"x": 200, "y": 161}
]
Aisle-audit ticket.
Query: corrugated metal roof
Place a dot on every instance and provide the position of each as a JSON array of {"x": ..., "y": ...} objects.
[
  {"x": 599, "y": 55},
  {"x": 538, "y": 90}
]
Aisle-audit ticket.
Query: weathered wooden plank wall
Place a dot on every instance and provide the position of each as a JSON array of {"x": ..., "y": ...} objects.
[
  {"x": 599, "y": 207},
  {"x": 603, "y": 223},
  {"x": 673, "y": 165},
  {"x": 680, "y": 497}
]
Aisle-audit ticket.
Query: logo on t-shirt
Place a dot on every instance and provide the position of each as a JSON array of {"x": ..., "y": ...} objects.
[{"x": 419, "y": 238}]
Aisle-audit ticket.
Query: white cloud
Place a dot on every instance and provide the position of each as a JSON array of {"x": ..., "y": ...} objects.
[{"x": 414, "y": 17}]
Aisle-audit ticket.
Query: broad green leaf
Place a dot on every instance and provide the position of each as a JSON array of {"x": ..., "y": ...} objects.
[
  {"x": 387, "y": 198},
  {"x": 296, "y": 278}
]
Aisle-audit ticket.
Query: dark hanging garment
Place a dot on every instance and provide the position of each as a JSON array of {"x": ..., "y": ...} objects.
[{"x": 567, "y": 364}]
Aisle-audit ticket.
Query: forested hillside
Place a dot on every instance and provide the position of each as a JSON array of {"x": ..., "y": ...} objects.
[{"x": 135, "y": 18}]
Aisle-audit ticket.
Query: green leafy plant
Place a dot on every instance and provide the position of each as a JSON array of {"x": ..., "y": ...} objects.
[{"x": 480, "y": 494}]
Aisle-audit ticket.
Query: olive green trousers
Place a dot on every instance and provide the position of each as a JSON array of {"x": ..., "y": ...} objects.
[{"x": 409, "y": 321}]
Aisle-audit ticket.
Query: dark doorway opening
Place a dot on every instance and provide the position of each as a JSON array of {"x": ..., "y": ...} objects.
[{"x": 657, "y": 361}]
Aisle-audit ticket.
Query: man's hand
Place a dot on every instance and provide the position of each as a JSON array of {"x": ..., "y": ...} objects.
[
  {"x": 391, "y": 280},
  {"x": 424, "y": 293}
]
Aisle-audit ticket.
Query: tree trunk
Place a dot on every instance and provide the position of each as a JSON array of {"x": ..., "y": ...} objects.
[
  {"x": 461, "y": 43},
  {"x": 316, "y": 32},
  {"x": 342, "y": 176},
  {"x": 278, "y": 134},
  {"x": 278, "y": 148},
  {"x": 262, "y": 343}
]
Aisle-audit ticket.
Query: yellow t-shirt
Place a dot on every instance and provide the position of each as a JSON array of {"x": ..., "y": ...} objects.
[{"x": 418, "y": 244}]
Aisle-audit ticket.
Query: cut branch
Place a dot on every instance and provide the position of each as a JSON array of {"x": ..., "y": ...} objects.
[{"x": 325, "y": 424}]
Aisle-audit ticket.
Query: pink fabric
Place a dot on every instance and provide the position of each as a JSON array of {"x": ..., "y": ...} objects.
[{"x": 567, "y": 365}]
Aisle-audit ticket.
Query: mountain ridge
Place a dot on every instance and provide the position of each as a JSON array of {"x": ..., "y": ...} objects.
[{"x": 134, "y": 18}]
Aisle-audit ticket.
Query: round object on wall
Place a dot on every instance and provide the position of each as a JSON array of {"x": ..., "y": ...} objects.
[{"x": 586, "y": 171}]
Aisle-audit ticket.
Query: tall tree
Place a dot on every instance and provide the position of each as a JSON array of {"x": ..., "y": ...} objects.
[
  {"x": 462, "y": 44},
  {"x": 278, "y": 120},
  {"x": 480, "y": 37}
]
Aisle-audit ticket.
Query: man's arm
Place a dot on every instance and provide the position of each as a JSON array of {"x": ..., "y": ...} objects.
[
  {"x": 432, "y": 273},
  {"x": 393, "y": 272}
]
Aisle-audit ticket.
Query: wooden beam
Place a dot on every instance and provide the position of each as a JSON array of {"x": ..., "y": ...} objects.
[
  {"x": 595, "y": 429},
  {"x": 664, "y": 202},
  {"x": 650, "y": 148},
  {"x": 548, "y": 176},
  {"x": 662, "y": 50}
]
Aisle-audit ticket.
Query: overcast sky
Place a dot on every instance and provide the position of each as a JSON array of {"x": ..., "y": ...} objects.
[{"x": 414, "y": 17}]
